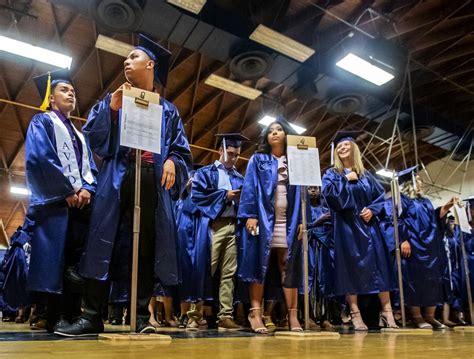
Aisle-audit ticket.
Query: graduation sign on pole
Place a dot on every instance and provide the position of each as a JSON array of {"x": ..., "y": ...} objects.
[
  {"x": 140, "y": 128},
  {"x": 303, "y": 170}
]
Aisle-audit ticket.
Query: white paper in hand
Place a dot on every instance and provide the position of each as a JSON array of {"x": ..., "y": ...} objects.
[
  {"x": 461, "y": 218},
  {"x": 140, "y": 127}
]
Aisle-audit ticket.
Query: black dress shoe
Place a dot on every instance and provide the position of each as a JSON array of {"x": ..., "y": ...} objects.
[
  {"x": 81, "y": 327},
  {"x": 60, "y": 324}
]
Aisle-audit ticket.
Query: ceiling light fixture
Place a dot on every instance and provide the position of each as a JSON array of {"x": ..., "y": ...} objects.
[
  {"x": 364, "y": 69},
  {"x": 19, "y": 190},
  {"x": 267, "y": 120},
  {"x": 386, "y": 173},
  {"x": 232, "y": 87},
  {"x": 281, "y": 43},
  {"x": 34, "y": 52}
]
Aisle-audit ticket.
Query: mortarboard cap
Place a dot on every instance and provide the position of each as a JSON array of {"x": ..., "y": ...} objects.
[
  {"x": 406, "y": 174},
  {"x": 45, "y": 82},
  {"x": 470, "y": 200},
  {"x": 159, "y": 55},
  {"x": 232, "y": 140},
  {"x": 346, "y": 136}
]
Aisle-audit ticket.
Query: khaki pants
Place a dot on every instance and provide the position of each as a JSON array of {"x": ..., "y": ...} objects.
[{"x": 224, "y": 258}]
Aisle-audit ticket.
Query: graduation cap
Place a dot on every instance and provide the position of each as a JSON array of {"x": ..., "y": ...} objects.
[
  {"x": 407, "y": 175},
  {"x": 343, "y": 136},
  {"x": 49, "y": 80},
  {"x": 159, "y": 55},
  {"x": 231, "y": 140},
  {"x": 470, "y": 200}
]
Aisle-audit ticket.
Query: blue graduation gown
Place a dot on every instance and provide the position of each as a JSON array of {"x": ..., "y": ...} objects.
[
  {"x": 469, "y": 246},
  {"x": 103, "y": 135},
  {"x": 361, "y": 256},
  {"x": 455, "y": 269},
  {"x": 320, "y": 234},
  {"x": 49, "y": 189},
  {"x": 258, "y": 201},
  {"x": 194, "y": 243},
  {"x": 387, "y": 224},
  {"x": 423, "y": 271},
  {"x": 210, "y": 200},
  {"x": 15, "y": 266}
]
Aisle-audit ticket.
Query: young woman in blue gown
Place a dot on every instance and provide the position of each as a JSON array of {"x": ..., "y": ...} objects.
[{"x": 363, "y": 264}]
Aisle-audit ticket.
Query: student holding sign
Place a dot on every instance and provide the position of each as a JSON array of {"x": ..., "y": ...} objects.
[
  {"x": 363, "y": 264},
  {"x": 61, "y": 177},
  {"x": 422, "y": 248},
  {"x": 270, "y": 211},
  {"x": 163, "y": 179}
]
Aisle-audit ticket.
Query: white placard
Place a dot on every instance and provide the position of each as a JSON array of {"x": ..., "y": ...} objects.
[
  {"x": 461, "y": 218},
  {"x": 303, "y": 166},
  {"x": 140, "y": 126}
]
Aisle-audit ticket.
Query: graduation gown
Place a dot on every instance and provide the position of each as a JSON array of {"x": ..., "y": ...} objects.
[
  {"x": 361, "y": 257},
  {"x": 211, "y": 202},
  {"x": 424, "y": 279},
  {"x": 455, "y": 268},
  {"x": 194, "y": 241},
  {"x": 49, "y": 189},
  {"x": 258, "y": 201},
  {"x": 104, "y": 135},
  {"x": 469, "y": 246},
  {"x": 320, "y": 234},
  {"x": 15, "y": 266}
]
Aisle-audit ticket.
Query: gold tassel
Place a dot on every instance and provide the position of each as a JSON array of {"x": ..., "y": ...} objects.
[{"x": 44, "y": 106}]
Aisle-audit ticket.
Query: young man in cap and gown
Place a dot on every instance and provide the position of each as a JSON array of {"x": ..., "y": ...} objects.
[
  {"x": 61, "y": 176},
  {"x": 163, "y": 178},
  {"x": 216, "y": 192},
  {"x": 423, "y": 255}
]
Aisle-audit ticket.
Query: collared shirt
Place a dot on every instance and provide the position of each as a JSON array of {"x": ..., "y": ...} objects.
[
  {"x": 76, "y": 142},
  {"x": 224, "y": 183}
]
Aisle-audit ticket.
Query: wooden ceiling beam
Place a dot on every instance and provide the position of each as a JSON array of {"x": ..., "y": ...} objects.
[
  {"x": 203, "y": 105},
  {"x": 192, "y": 82},
  {"x": 220, "y": 120}
]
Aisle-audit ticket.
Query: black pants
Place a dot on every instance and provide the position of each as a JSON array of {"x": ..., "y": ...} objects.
[
  {"x": 96, "y": 291},
  {"x": 67, "y": 305}
]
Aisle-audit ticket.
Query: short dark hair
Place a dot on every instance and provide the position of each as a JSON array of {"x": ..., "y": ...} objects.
[{"x": 264, "y": 146}]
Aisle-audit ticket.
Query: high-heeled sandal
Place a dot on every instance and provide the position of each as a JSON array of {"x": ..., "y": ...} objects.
[
  {"x": 257, "y": 330},
  {"x": 293, "y": 329},
  {"x": 383, "y": 321},
  {"x": 419, "y": 322},
  {"x": 360, "y": 328},
  {"x": 267, "y": 320}
]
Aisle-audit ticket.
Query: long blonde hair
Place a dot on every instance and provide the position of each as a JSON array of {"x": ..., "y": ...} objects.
[{"x": 356, "y": 157}]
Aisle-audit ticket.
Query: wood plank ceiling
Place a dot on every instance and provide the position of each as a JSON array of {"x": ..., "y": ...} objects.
[{"x": 439, "y": 35}]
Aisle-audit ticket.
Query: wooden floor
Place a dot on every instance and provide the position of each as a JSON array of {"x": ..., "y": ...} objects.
[{"x": 451, "y": 344}]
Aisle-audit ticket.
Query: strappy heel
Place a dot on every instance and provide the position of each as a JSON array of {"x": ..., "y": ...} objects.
[
  {"x": 267, "y": 320},
  {"x": 359, "y": 328},
  {"x": 293, "y": 329},
  {"x": 257, "y": 330},
  {"x": 383, "y": 320}
]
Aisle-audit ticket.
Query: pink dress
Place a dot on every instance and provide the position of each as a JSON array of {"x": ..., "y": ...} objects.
[{"x": 281, "y": 202}]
